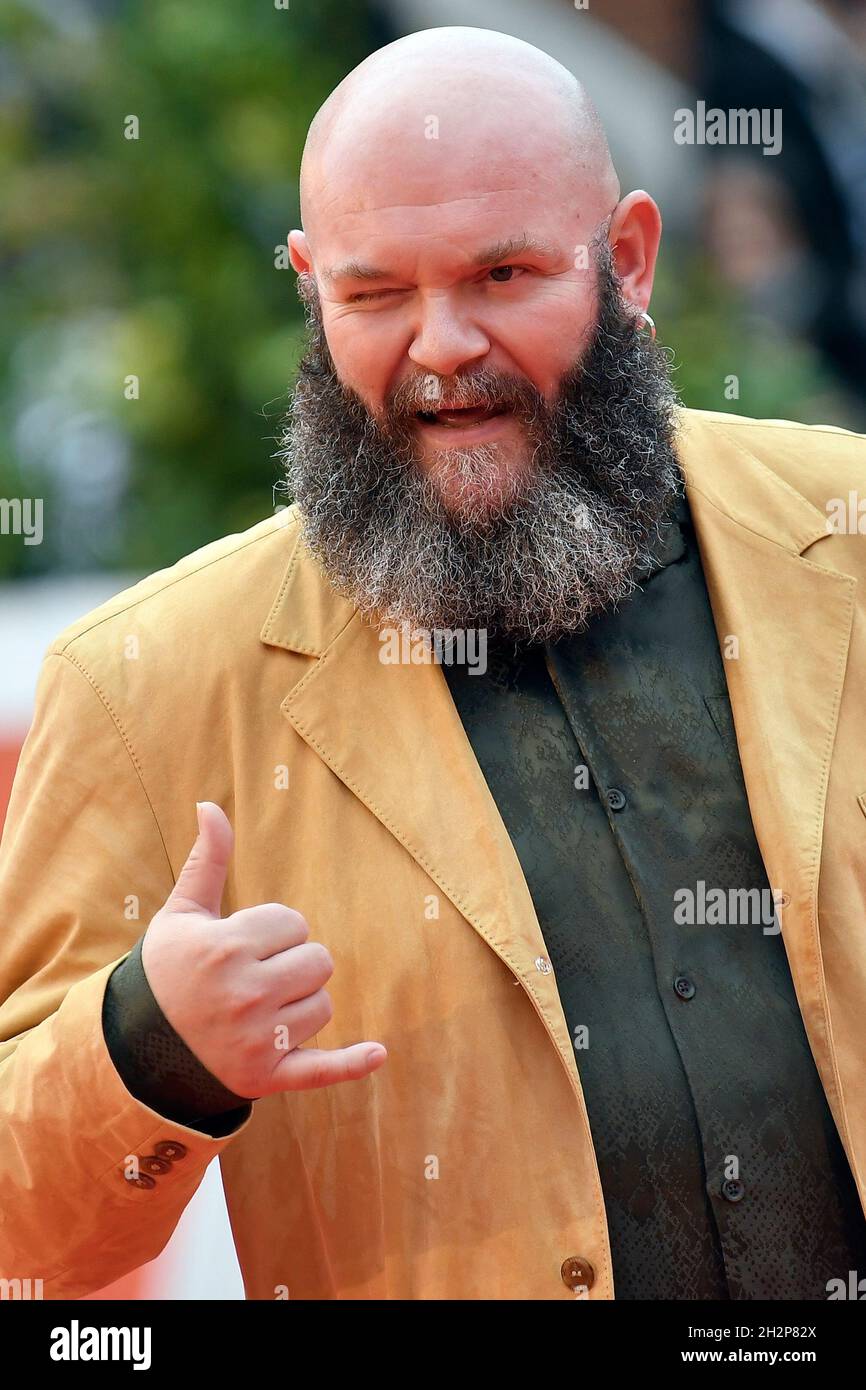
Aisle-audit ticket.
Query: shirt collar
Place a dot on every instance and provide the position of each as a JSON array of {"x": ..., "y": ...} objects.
[
  {"x": 669, "y": 542},
  {"x": 507, "y": 661}
]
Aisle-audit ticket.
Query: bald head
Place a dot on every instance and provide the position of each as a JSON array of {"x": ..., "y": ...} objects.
[{"x": 453, "y": 112}]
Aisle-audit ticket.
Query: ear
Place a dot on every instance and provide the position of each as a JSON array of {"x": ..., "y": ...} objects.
[
  {"x": 634, "y": 235},
  {"x": 299, "y": 252}
]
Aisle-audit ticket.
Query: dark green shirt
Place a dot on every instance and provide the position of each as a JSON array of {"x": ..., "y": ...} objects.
[{"x": 613, "y": 761}]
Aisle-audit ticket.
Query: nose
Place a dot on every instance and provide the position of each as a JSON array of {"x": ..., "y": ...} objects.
[{"x": 445, "y": 339}]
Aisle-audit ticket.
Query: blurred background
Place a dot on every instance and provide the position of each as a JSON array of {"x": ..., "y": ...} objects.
[{"x": 150, "y": 326}]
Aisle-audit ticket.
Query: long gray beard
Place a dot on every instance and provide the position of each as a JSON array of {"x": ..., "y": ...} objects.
[{"x": 566, "y": 546}]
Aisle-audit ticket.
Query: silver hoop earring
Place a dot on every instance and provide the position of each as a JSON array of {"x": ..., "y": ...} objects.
[{"x": 644, "y": 321}]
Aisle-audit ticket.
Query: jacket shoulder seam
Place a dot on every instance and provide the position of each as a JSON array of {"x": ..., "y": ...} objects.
[
  {"x": 730, "y": 422},
  {"x": 125, "y": 740},
  {"x": 58, "y": 649}
]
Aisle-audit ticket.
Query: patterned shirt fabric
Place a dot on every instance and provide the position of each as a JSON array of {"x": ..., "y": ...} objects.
[{"x": 612, "y": 759}]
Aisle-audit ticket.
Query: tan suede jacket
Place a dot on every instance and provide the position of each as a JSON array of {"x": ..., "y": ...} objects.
[{"x": 464, "y": 1168}]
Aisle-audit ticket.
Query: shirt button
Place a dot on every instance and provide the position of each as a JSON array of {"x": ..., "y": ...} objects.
[
  {"x": 170, "y": 1149},
  {"x": 733, "y": 1190},
  {"x": 684, "y": 987},
  {"x": 616, "y": 799},
  {"x": 153, "y": 1164},
  {"x": 543, "y": 964},
  {"x": 142, "y": 1180},
  {"x": 577, "y": 1273}
]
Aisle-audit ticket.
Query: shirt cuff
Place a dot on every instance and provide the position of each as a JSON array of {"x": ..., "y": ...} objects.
[{"x": 154, "y": 1062}]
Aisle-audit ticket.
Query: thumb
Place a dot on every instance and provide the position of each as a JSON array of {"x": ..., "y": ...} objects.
[{"x": 200, "y": 883}]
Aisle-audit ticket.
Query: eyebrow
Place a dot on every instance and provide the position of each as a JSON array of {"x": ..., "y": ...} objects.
[{"x": 490, "y": 255}]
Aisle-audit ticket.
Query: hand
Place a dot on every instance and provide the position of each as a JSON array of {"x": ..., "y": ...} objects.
[{"x": 244, "y": 991}]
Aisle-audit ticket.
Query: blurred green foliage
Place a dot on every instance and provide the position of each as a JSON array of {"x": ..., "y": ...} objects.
[
  {"x": 155, "y": 257},
  {"x": 726, "y": 358}
]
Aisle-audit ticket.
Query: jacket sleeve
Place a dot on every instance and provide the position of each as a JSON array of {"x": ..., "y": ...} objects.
[{"x": 93, "y": 1180}]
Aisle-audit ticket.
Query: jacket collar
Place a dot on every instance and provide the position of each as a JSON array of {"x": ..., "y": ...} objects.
[
  {"x": 307, "y": 612},
  {"x": 722, "y": 473}
]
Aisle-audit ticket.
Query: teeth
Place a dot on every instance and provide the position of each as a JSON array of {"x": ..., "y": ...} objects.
[{"x": 433, "y": 417}]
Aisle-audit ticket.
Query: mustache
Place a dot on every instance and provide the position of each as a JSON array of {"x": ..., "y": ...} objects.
[{"x": 484, "y": 387}]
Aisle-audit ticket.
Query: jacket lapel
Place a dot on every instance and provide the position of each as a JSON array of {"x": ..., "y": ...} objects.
[
  {"x": 405, "y": 755},
  {"x": 428, "y": 791},
  {"x": 791, "y": 621}
]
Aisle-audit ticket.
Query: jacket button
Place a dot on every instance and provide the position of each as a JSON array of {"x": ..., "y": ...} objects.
[
  {"x": 616, "y": 799},
  {"x": 684, "y": 987},
  {"x": 142, "y": 1180},
  {"x": 733, "y": 1190},
  {"x": 154, "y": 1165},
  {"x": 170, "y": 1149},
  {"x": 577, "y": 1273}
]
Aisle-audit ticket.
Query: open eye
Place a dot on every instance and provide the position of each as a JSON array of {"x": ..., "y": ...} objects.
[{"x": 504, "y": 274}]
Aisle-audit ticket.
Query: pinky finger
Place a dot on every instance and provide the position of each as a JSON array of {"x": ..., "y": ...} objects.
[{"x": 306, "y": 1068}]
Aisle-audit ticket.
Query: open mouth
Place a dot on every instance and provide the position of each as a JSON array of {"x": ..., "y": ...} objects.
[{"x": 461, "y": 416}]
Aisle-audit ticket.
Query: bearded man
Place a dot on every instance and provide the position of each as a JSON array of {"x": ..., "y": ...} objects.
[{"x": 600, "y": 895}]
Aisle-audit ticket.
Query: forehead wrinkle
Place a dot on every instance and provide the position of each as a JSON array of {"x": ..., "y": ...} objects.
[
  {"x": 434, "y": 205},
  {"x": 343, "y": 222}
]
